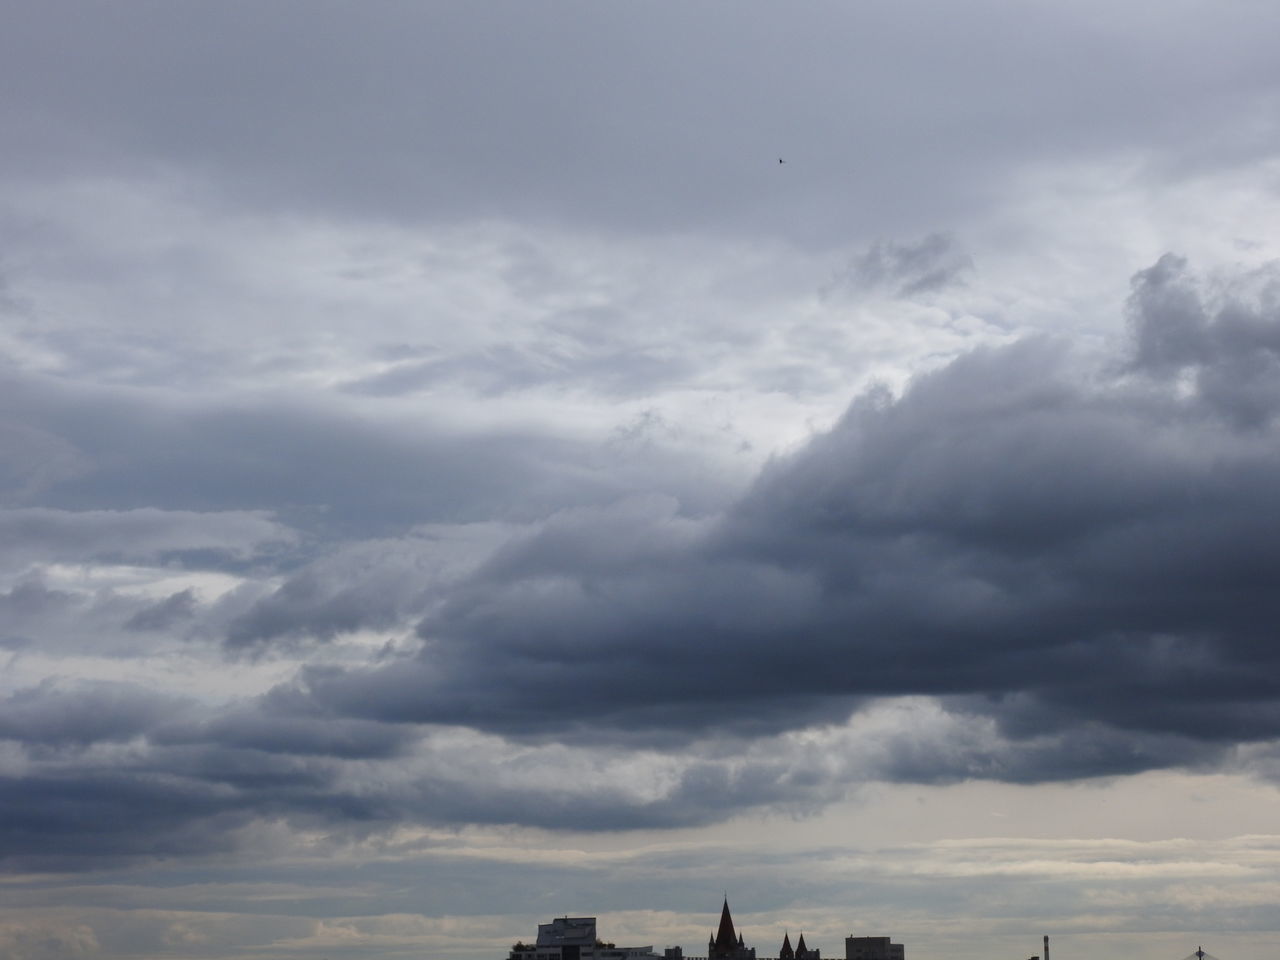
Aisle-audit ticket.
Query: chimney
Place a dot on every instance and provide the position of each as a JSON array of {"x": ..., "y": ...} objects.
[{"x": 1046, "y": 947}]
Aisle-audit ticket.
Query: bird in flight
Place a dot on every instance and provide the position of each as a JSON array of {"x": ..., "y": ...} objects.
[{"x": 780, "y": 160}]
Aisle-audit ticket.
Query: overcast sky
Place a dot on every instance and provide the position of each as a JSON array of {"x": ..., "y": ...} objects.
[{"x": 453, "y": 474}]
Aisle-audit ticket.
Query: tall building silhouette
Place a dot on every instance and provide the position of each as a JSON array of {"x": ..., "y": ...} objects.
[{"x": 727, "y": 945}]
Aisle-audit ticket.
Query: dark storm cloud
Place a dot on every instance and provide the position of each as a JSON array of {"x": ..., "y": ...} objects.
[
  {"x": 1073, "y": 557},
  {"x": 1076, "y": 550},
  {"x": 196, "y": 776},
  {"x": 199, "y": 776},
  {"x": 48, "y": 717},
  {"x": 85, "y": 818},
  {"x": 192, "y": 774},
  {"x": 291, "y": 735}
]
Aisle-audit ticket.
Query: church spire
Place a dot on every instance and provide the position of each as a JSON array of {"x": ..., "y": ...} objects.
[{"x": 726, "y": 939}]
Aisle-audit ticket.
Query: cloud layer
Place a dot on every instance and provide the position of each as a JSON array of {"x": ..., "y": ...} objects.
[
  {"x": 1031, "y": 565},
  {"x": 448, "y": 464},
  {"x": 1073, "y": 544}
]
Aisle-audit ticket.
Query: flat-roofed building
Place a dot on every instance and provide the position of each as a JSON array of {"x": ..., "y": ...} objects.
[
  {"x": 872, "y": 948},
  {"x": 574, "y": 938}
]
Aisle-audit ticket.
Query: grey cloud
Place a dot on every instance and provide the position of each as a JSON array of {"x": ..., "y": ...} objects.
[
  {"x": 31, "y": 460},
  {"x": 1030, "y": 565},
  {"x": 371, "y": 584},
  {"x": 198, "y": 783},
  {"x": 234, "y": 737},
  {"x": 87, "y": 818},
  {"x": 194, "y": 775},
  {"x": 164, "y": 614},
  {"x": 46, "y": 940},
  {"x": 33, "y": 597},
  {"x": 144, "y": 533},
  {"x": 905, "y": 269},
  {"x": 48, "y": 717},
  {"x": 304, "y": 607},
  {"x": 55, "y": 617},
  {"x": 614, "y": 369},
  {"x": 1014, "y": 522},
  {"x": 882, "y": 117},
  {"x": 313, "y": 467},
  {"x": 292, "y": 735},
  {"x": 200, "y": 780},
  {"x": 1226, "y": 338},
  {"x": 1167, "y": 317},
  {"x": 1064, "y": 554}
]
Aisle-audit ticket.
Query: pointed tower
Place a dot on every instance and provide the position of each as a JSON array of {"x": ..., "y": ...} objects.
[
  {"x": 727, "y": 944},
  {"x": 786, "y": 953},
  {"x": 726, "y": 941},
  {"x": 804, "y": 953}
]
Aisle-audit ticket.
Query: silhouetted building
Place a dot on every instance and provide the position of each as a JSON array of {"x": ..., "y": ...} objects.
[
  {"x": 872, "y": 948},
  {"x": 727, "y": 945},
  {"x": 574, "y": 938},
  {"x": 801, "y": 952}
]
